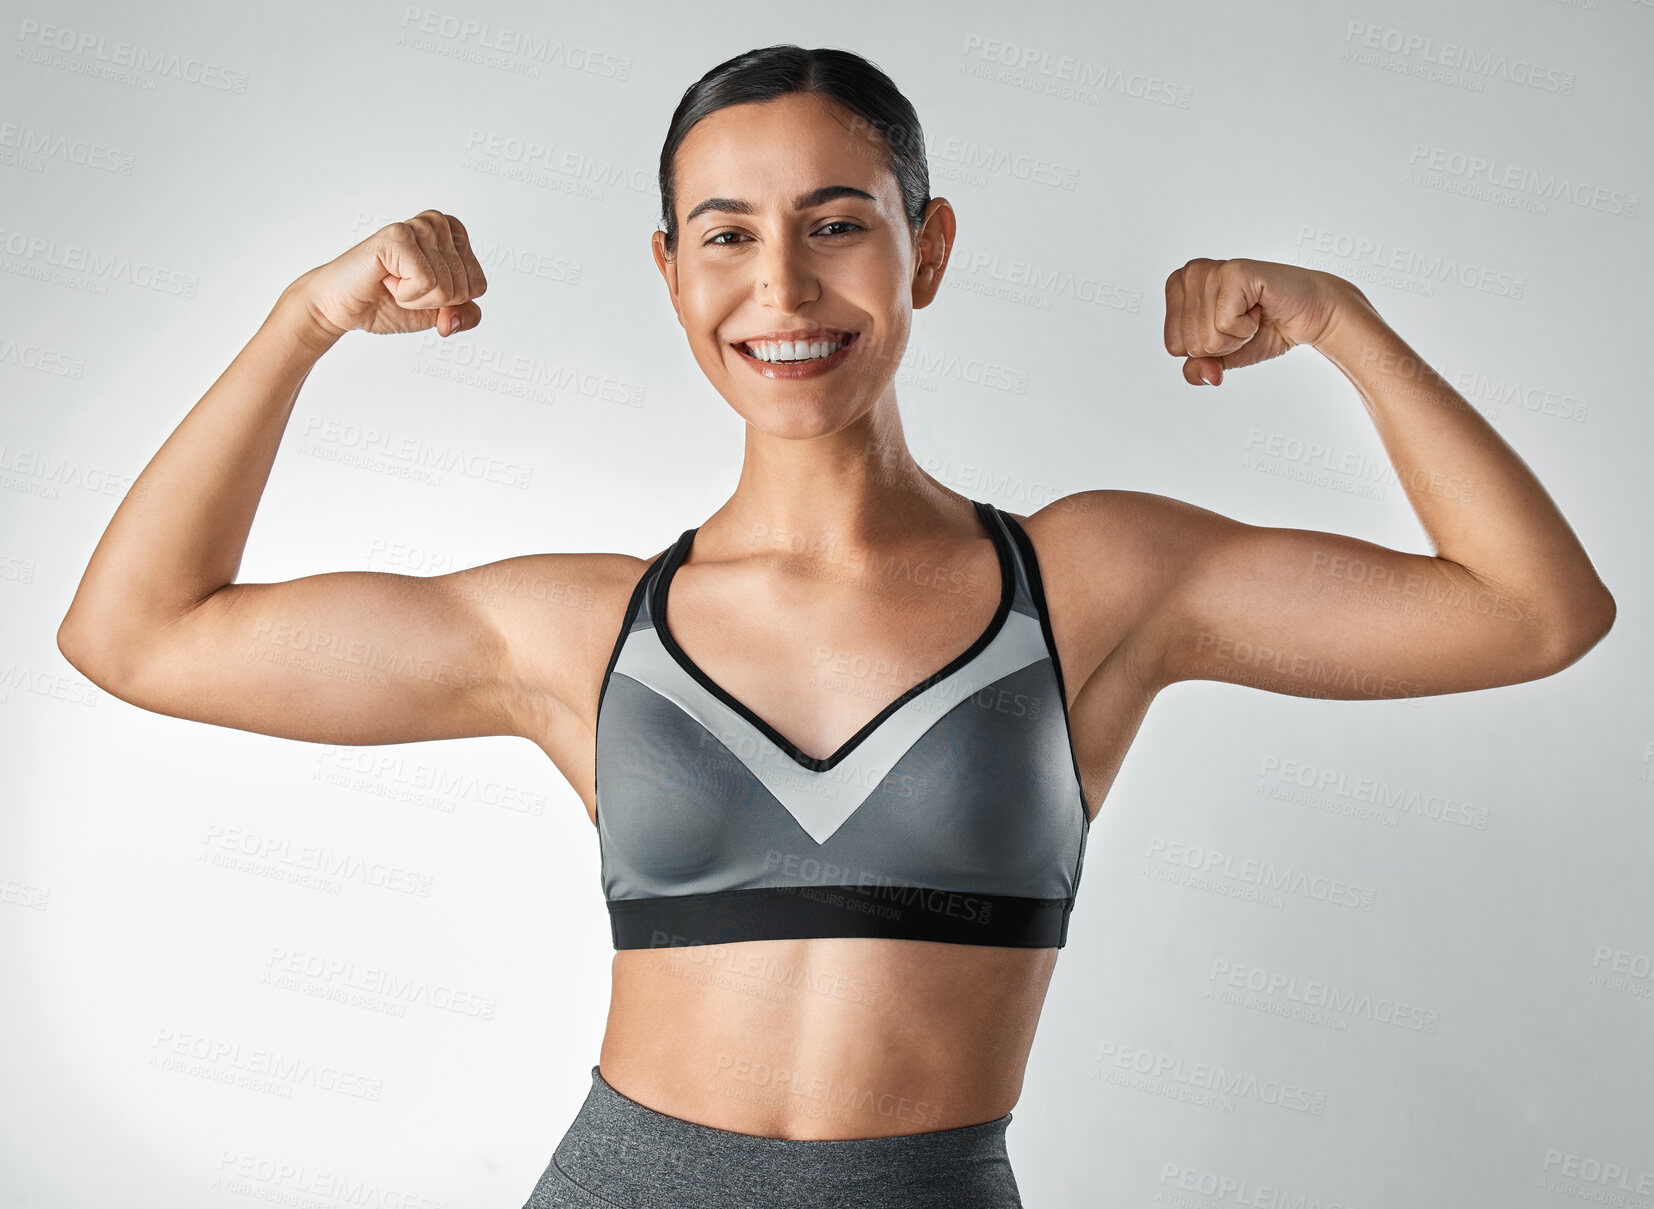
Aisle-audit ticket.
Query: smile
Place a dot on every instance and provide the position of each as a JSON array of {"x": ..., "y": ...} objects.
[{"x": 796, "y": 359}]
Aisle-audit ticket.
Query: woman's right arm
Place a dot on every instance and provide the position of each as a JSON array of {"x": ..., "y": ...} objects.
[{"x": 342, "y": 657}]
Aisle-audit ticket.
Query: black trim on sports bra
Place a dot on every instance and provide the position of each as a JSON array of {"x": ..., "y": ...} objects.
[
  {"x": 680, "y": 551},
  {"x": 805, "y": 912},
  {"x": 1036, "y": 586},
  {"x": 633, "y": 603}
]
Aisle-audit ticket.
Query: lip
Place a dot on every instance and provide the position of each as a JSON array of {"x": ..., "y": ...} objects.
[
  {"x": 798, "y": 333},
  {"x": 803, "y": 369}
]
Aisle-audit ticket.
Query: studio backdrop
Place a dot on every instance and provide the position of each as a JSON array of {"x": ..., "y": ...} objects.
[{"x": 1327, "y": 953}]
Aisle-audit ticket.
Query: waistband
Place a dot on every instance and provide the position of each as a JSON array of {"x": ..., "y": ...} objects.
[{"x": 630, "y": 1153}]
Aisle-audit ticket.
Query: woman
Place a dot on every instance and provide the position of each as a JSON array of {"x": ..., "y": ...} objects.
[{"x": 846, "y": 778}]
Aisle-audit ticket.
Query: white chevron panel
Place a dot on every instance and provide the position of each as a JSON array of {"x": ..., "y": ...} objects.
[{"x": 822, "y": 801}]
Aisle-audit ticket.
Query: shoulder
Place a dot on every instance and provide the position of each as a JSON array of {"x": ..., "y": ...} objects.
[
  {"x": 1093, "y": 530},
  {"x": 1107, "y": 560}
]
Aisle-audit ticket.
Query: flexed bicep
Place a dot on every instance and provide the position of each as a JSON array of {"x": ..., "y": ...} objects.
[
  {"x": 1184, "y": 593},
  {"x": 344, "y": 657},
  {"x": 1317, "y": 614}
]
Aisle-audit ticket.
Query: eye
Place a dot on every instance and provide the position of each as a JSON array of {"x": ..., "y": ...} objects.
[{"x": 717, "y": 241}]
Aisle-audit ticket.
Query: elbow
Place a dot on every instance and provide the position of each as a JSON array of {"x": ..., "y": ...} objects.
[
  {"x": 1596, "y": 623},
  {"x": 71, "y": 644},
  {"x": 82, "y": 651},
  {"x": 1586, "y": 628}
]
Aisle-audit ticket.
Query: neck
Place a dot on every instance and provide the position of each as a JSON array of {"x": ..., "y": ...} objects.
[{"x": 855, "y": 488}]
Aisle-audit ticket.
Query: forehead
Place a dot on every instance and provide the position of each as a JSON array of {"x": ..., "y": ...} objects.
[{"x": 767, "y": 152}]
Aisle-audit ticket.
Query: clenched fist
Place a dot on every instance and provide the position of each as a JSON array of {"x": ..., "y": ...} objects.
[
  {"x": 1226, "y": 314},
  {"x": 405, "y": 277}
]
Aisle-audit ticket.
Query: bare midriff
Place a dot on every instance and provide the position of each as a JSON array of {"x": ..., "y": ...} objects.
[{"x": 825, "y": 1038}]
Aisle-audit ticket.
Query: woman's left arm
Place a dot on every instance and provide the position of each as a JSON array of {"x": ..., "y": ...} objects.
[{"x": 1510, "y": 594}]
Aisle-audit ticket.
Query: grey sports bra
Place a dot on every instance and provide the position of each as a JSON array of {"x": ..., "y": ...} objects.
[{"x": 956, "y": 815}]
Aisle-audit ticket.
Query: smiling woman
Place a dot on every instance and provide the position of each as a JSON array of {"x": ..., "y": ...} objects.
[
  {"x": 844, "y": 741},
  {"x": 793, "y": 166}
]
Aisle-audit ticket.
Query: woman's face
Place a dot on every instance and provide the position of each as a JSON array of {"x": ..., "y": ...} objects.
[{"x": 751, "y": 263}]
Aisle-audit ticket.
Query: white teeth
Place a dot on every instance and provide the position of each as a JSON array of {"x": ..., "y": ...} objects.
[{"x": 796, "y": 350}]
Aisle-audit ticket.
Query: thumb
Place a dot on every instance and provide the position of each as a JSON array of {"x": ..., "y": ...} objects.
[
  {"x": 451, "y": 319},
  {"x": 1206, "y": 371}
]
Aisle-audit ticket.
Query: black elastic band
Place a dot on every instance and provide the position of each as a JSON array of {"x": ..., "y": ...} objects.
[{"x": 789, "y": 912}]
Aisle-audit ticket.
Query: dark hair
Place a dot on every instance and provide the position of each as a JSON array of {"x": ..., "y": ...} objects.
[{"x": 776, "y": 71}]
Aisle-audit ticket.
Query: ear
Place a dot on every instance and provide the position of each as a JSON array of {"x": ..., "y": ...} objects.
[
  {"x": 668, "y": 269},
  {"x": 934, "y": 246}
]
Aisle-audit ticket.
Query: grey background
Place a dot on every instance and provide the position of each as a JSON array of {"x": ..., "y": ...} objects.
[{"x": 1476, "y": 1033}]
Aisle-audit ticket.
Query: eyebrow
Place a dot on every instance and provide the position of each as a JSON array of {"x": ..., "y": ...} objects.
[{"x": 815, "y": 197}]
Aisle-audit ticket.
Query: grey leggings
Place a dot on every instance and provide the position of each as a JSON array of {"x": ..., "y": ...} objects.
[{"x": 618, "y": 1152}]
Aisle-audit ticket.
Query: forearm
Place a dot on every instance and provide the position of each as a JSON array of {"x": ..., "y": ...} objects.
[
  {"x": 180, "y": 532},
  {"x": 1477, "y": 500}
]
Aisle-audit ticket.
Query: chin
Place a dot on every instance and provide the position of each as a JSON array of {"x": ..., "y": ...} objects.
[{"x": 799, "y": 419}]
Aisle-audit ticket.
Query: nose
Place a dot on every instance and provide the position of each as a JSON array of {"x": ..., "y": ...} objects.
[{"x": 783, "y": 276}]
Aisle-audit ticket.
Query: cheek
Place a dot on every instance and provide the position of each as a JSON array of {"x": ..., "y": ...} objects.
[
  {"x": 693, "y": 296},
  {"x": 705, "y": 301},
  {"x": 879, "y": 285}
]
